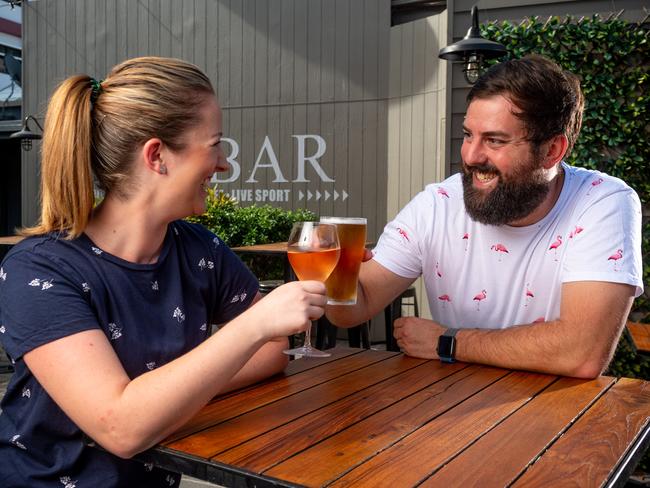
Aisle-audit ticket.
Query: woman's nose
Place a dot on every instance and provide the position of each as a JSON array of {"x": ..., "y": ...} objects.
[{"x": 222, "y": 163}]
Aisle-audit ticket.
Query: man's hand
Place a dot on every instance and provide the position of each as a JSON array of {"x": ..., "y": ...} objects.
[{"x": 417, "y": 337}]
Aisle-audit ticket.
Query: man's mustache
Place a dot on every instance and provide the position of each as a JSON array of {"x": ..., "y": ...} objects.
[{"x": 483, "y": 168}]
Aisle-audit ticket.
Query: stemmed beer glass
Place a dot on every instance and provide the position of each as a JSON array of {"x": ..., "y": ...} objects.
[{"x": 313, "y": 250}]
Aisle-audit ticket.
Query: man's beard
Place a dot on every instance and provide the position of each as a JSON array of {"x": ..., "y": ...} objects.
[{"x": 515, "y": 196}]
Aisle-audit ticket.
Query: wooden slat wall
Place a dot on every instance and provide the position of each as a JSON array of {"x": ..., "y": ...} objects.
[
  {"x": 514, "y": 10},
  {"x": 280, "y": 67},
  {"x": 416, "y": 115}
]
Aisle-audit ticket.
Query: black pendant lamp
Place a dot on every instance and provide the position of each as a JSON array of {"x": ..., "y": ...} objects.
[
  {"x": 472, "y": 50},
  {"x": 26, "y": 135}
]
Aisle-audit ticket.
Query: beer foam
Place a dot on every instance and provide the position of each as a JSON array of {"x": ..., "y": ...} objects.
[{"x": 344, "y": 220}]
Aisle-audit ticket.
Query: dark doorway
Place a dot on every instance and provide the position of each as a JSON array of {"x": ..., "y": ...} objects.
[{"x": 10, "y": 184}]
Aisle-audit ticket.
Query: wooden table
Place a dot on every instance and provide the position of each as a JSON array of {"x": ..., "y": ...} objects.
[
  {"x": 639, "y": 334},
  {"x": 378, "y": 418},
  {"x": 274, "y": 249},
  {"x": 10, "y": 240},
  {"x": 6, "y": 243}
]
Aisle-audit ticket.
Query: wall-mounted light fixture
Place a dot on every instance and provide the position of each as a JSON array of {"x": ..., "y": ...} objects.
[
  {"x": 26, "y": 135},
  {"x": 472, "y": 50}
]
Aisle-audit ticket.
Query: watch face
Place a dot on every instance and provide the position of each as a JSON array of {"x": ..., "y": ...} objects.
[{"x": 446, "y": 347}]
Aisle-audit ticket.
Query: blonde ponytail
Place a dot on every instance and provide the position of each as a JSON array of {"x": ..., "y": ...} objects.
[{"x": 66, "y": 177}]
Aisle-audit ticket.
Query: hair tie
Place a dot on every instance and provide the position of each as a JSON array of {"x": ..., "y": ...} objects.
[{"x": 96, "y": 89}]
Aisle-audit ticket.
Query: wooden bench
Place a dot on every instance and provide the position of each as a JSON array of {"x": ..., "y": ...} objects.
[{"x": 640, "y": 336}]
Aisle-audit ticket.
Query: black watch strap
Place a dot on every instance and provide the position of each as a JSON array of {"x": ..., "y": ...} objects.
[{"x": 447, "y": 346}]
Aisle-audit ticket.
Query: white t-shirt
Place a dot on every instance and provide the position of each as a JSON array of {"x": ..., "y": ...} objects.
[{"x": 484, "y": 276}]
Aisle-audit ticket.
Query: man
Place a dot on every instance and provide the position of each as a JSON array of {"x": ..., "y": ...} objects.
[{"x": 528, "y": 263}]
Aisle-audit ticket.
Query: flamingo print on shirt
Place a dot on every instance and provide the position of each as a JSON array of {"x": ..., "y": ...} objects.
[
  {"x": 555, "y": 245},
  {"x": 594, "y": 184},
  {"x": 444, "y": 299},
  {"x": 443, "y": 193},
  {"x": 529, "y": 294},
  {"x": 466, "y": 239},
  {"x": 615, "y": 257},
  {"x": 478, "y": 298},
  {"x": 500, "y": 249},
  {"x": 438, "y": 272},
  {"x": 575, "y": 232},
  {"x": 403, "y": 234}
]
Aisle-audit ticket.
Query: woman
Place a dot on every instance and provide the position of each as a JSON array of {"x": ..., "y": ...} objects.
[{"x": 106, "y": 311}]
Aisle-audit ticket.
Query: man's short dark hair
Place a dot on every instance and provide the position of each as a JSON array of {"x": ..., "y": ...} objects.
[{"x": 549, "y": 99}]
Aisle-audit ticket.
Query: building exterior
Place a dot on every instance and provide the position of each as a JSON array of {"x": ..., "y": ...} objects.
[{"x": 321, "y": 98}]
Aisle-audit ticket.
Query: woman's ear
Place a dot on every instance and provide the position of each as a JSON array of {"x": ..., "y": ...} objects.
[
  {"x": 554, "y": 150},
  {"x": 152, "y": 156}
]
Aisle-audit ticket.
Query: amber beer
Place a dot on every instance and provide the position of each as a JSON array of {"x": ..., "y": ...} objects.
[
  {"x": 342, "y": 283},
  {"x": 312, "y": 264}
]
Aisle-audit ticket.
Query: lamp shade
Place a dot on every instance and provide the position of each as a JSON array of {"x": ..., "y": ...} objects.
[
  {"x": 472, "y": 43},
  {"x": 26, "y": 135}
]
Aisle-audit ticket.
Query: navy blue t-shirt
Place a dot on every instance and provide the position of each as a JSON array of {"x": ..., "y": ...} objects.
[{"x": 151, "y": 313}]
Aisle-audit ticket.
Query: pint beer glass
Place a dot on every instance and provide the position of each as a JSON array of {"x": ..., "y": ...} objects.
[{"x": 342, "y": 283}]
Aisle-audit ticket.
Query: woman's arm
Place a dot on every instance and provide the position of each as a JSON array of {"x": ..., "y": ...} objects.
[{"x": 85, "y": 378}]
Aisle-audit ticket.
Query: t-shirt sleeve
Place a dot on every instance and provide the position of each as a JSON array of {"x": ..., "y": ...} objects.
[
  {"x": 40, "y": 302},
  {"x": 605, "y": 244},
  {"x": 236, "y": 284},
  {"x": 399, "y": 248}
]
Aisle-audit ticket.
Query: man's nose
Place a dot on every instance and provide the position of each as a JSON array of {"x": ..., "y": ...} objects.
[{"x": 473, "y": 152}]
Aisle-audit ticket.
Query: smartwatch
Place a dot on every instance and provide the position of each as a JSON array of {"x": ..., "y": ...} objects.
[{"x": 447, "y": 346}]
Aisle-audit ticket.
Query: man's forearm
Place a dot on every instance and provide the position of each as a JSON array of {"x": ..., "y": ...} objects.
[
  {"x": 547, "y": 347},
  {"x": 543, "y": 347}
]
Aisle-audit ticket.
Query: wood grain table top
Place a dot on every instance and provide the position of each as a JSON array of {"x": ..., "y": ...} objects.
[{"x": 378, "y": 418}]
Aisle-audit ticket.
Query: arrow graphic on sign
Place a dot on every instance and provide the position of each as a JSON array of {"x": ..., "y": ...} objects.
[
  {"x": 336, "y": 195},
  {"x": 309, "y": 195},
  {"x": 301, "y": 195},
  {"x": 345, "y": 195},
  {"x": 318, "y": 195},
  {"x": 327, "y": 195}
]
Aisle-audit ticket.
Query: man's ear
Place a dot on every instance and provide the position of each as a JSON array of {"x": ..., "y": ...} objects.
[
  {"x": 554, "y": 150},
  {"x": 152, "y": 154}
]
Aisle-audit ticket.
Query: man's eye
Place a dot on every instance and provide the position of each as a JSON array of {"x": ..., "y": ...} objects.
[
  {"x": 466, "y": 135},
  {"x": 495, "y": 142},
  {"x": 217, "y": 143}
]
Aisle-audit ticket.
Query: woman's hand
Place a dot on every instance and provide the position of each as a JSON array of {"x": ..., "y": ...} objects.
[{"x": 290, "y": 308}]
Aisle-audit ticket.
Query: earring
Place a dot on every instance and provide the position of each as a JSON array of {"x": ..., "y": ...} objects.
[{"x": 162, "y": 169}]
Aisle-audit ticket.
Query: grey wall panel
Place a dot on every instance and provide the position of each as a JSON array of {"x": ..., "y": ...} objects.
[
  {"x": 284, "y": 71},
  {"x": 416, "y": 115}
]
